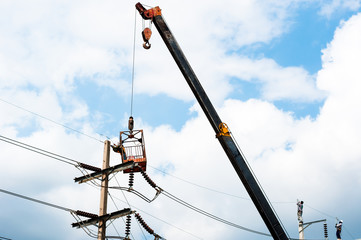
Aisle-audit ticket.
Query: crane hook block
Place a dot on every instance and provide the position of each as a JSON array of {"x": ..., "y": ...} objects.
[
  {"x": 131, "y": 123},
  {"x": 223, "y": 130},
  {"x": 146, "y": 34}
]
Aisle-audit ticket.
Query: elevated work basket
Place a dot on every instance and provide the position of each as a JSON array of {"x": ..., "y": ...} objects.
[{"x": 132, "y": 148}]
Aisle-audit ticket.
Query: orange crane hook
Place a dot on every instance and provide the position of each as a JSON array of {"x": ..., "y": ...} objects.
[{"x": 146, "y": 34}]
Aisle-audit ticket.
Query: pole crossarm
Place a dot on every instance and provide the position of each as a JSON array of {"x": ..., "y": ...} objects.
[
  {"x": 106, "y": 217},
  {"x": 114, "y": 169},
  {"x": 309, "y": 224}
]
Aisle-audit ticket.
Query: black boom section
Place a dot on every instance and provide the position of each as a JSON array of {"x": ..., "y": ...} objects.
[{"x": 245, "y": 174}]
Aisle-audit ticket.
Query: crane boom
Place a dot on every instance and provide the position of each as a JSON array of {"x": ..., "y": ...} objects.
[{"x": 245, "y": 174}]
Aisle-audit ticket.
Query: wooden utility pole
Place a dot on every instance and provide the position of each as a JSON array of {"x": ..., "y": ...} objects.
[
  {"x": 104, "y": 191},
  {"x": 103, "y": 175}
]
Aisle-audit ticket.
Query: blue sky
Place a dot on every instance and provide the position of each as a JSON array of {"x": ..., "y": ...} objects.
[{"x": 284, "y": 76}]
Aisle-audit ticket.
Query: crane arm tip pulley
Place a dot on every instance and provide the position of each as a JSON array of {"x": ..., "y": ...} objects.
[{"x": 147, "y": 15}]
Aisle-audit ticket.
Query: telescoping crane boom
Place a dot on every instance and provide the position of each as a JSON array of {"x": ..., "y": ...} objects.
[{"x": 245, "y": 174}]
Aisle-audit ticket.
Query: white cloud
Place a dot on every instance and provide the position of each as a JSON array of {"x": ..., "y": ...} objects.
[
  {"x": 55, "y": 44},
  {"x": 317, "y": 160},
  {"x": 233, "y": 27},
  {"x": 328, "y": 8},
  {"x": 45, "y": 47},
  {"x": 277, "y": 82}
]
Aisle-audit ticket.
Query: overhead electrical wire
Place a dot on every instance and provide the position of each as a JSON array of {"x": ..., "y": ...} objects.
[
  {"x": 40, "y": 151},
  {"x": 211, "y": 189},
  {"x": 91, "y": 233},
  {"x": 207, "y": 214},
  {"x": 75, "y": 163},
  {"x": 198, "y": 185},
  {"x": 55, "y": 122},
  {"x": 259, "y": 184},
  {"x": 180, "y": 229},
  {"x": 132, "y": 207},
  {"x": 37, "y": 201},
  {"x": 73, "y": 212},
  {"x": 328, "y": 215},
  {"x": 56, "y": 157},
  {"x": 95, "y": 185},
  {"x": 184, "y": 203},
  {"x": 117, "y": 209},
  {"x": 141, "y": 229},
  {"x": 5, "y": 238}
]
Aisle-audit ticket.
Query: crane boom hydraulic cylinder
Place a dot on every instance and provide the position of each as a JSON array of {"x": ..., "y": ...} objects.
[{"x": 245, "y": 174}]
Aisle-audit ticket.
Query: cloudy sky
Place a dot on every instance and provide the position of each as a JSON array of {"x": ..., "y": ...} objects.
[{"x": 284, "y": 75}]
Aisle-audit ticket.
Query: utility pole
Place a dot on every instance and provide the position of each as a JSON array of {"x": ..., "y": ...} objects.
[
  {"x": 104, "y": 191},
  {"x": 103, "y": 175},
  {"x": 300, "y": 231}
]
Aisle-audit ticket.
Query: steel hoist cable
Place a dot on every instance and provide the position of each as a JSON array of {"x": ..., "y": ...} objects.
[{"x": 133, "y": 66}]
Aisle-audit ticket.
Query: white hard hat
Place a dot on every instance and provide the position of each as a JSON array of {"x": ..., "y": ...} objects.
[{"x": 341, "y": 221}]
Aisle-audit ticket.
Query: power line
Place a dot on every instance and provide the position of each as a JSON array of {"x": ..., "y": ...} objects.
[
  {"x": 211, "y": 189},
  {"x": 260, "y": 186},
  {"x": 200, "y": 186},
  {"x": 141, "y": 229},
  {"x": 184, "y": 203},
  {"x": 180, "y": 201},
  {"x": 138, "y": 209},
  {"x": 328, "y": 215},
  {"x": 37, "y": 201},
  {"x": 40, "y": 151},
  {"x": 320, "y": 211},
  {"x": 50, "y": 120},
  {"x": 118, "y": 210},
  {"x": 5, "y": 238},
  {"x": 73, "y": 212}
]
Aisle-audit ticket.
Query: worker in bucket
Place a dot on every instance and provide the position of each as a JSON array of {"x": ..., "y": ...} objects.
[
  {"x": 338, "y": 227},
  {"x": 300, "y": 211}
]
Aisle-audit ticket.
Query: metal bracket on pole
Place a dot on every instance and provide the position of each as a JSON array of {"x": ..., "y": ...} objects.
[
  {"x": 309, "y": 224},
  {"x": 114, "y": 169},
  {"x": 106, "y": 217}
]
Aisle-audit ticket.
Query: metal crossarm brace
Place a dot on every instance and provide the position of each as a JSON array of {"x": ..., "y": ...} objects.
[
  {"x": 93, "y": 221},
  {"x": 114, "y": 169},
  {"x": 309, "y": 224}
]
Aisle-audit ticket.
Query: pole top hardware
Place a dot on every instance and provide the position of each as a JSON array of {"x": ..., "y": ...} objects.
[{"x": 148, "y": 14}]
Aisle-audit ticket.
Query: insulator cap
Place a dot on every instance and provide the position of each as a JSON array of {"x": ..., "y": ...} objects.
[
  {"x": 89, "y": 167},
  {"x": 147, "y": 178},
  {"x": 131, "y": 179},
  {"x": 144, "y": 225},
  {"x": 127, "y": 225},
  {"x": 86, "y": 214}
]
